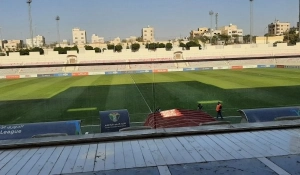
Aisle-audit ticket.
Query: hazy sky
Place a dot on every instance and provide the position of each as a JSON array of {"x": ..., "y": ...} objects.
[{"x": 124, "y": 18}]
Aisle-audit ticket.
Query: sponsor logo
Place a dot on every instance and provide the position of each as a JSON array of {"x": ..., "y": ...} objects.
[
  {"x": 12, "y": 76},
  {"x": 160, "y": 70},
  {"x": 80, "y": 74},
  {"x": 114, "y": 116},
  {"x": 280, "y": 66},
  {"x": 237, "y": 67}
]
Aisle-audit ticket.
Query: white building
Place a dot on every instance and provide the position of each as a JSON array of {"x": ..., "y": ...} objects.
[
  {"x": 148, "y": 34},
  {"x": 97, "y": 39},
  {"x": 278, "y": 28},
  {"x": 231, "y": 30},
  {"x": 79, "y": 36},
  {"x": 38, "y": 41},
  {"x": 13, "y": 45},
  {"x": 131, "y": 39}
]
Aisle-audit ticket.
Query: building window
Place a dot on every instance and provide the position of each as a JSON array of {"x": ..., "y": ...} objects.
[
  {"x": 81, "y": 37},
  {"x": 75, "y": 37},
  {"x": 145, "y": 30},
  {"x": 145, "y": 34},
  {"x": 81, "y": 33}
]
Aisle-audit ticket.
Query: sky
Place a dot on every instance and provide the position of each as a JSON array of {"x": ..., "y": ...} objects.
[{"x": 124, "y": 18}]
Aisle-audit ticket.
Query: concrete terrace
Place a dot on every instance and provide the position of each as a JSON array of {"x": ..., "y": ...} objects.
[{"x": 256, "y": 148}]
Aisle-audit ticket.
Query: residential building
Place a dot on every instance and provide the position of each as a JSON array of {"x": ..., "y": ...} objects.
[
  {"x": 204, "y": 31},
  {"x": 97, "y": 39},
  {"x": 131, "y": 39},
  {"x": 79, "y": 36},
  {"x": 38, "y": 41},
  {"x": 148, "y": 34},
  {"x": 64, "y": 43},
  {"x": 278, "y": 28},
  {"x": 116, "y": 41},
  {"x": 199, "y": 32},
  {"x": 13, "y": 45},
  {"x": 231, "y": 30}
]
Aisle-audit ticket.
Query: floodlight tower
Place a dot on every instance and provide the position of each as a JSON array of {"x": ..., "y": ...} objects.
[
  {"x": 251, "y": 20},
  {"x": 217, "y": 15},
  {"x": 30, "y": 21},
  {"x": 211, "y": 13},
  {"x": 57, "y": 26}
]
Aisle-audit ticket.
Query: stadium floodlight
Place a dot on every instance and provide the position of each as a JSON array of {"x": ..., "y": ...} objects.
[
  {"x": 251, "y": 20},
  {"x": 0, "y": 38},
  {"x": 30, "y": 21},
  {"x": 211, "y": 13},
  {"x": 57, "y": 26}
]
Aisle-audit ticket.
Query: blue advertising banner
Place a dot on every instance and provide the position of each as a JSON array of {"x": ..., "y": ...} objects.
[
  {"x": 272, "y": 66},
  {"x": 45, "y": 75},
  {"x": 113, "y": 121},
  {"x": 188, "y": 69},
  {"x": 269, "y": 114},
  {"x": 113, "y": 72},
  {"x": 261, "y": 66},
  {"x": 63, "y": 75},
  {"x": 204, "y": 68},
  {"x": 28, "y": 130}
]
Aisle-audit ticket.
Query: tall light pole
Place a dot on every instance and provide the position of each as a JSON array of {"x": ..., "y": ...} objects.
[
  {"x": 1, "y": 44},
  {"x": 30, "y": 20},
  {"x": 211, "y": 13},
  {"x": 266, "y": 39},
  {"x": 57, "y": 25},
  {"x": 217, "y": 15},
  {"x": 251, "y": 20},
  {"x": 299, "y": 22}
]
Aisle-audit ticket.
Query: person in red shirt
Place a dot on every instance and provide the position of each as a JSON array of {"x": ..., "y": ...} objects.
[{"x": 219, "y": 110}]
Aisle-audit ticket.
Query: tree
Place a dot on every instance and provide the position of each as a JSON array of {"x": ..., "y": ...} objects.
[
  {"x": 291, "y": 37},
  {"x": 74, "y": 48},
  {"x": 110, "y": 46},
  {"x": 192, "y": 44},
  {"x": 152, "y": 46},
  {"x": 37, "y": 49},
  {"x": 182, "y": 45},
  {"x": 24, "y": 52},
  {"x": 169, "y": 46},
  {"x": 97, "y": 50},
  {"x": 88, "y": 47},
  {"x": 135, "y": 47},
  {"x": 118, "y": 48},
  {"x": 161, "y": 45},
  {"x": 60, "y": 50}
]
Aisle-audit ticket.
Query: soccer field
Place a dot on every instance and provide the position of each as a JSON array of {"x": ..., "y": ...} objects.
[{"x": 70, "y": 98}]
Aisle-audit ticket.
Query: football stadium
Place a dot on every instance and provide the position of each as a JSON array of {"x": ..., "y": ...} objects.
[
  {"x": 99, "y": 113},
  {"x": 149, "y": 88}
]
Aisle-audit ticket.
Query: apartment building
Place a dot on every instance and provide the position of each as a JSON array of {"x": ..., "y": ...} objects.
[
  {"x": 148, "y": 34},
  {"x": 231, "y": 30},
  {"x": 38, "y": 41},
  {"x": 204, "y": 31},
  {"x": 13, "y": 45},
  {"x": 278, "y": 28},
  {"x": 96, "y": 39},
  {"x": 79, "y": 36}
]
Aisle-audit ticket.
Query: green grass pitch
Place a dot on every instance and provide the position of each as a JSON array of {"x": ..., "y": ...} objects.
[{"x": 70, "y": 98}]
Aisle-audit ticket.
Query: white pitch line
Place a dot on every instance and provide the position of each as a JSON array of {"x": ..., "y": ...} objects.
[{"x": 140, "y": 93}]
